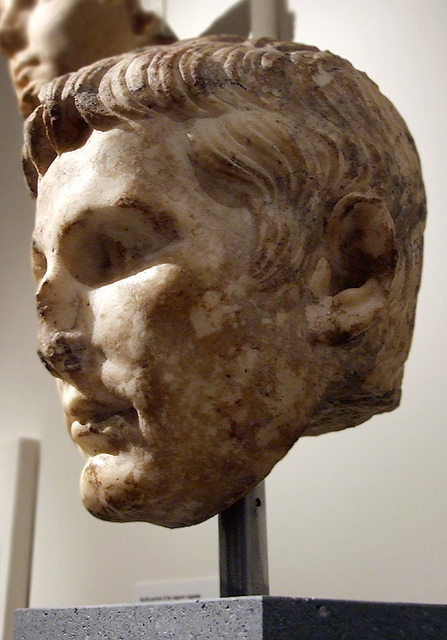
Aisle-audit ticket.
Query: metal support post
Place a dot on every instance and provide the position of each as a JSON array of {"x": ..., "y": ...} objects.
[
  {"x": 243, "y": 556},
  {"x": 264, "y": 18}
]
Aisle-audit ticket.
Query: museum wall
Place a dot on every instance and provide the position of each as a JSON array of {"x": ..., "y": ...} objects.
[{"x": 359, "y": 514}]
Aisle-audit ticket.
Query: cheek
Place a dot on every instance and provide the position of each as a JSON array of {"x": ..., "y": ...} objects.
[{"x": 132, "y": 315}]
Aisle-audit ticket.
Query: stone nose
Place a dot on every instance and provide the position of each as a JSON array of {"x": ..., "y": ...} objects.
[
  {"x": 62, "y": 353},
  {"x": 59, "y": 301},
  {"x": 62, "y": 308}
]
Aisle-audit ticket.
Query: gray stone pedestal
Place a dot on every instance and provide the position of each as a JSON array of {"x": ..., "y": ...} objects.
[{"x": 249, "y": 618}]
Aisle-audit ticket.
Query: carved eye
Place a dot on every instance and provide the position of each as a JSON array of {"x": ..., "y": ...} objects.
[
  {"x": 38, "y": 262},
  {"x": 111, "y": 254},
  {"x": 106, "y": 245},
  {"x": 99, "y": 256},
  {"x": 97, "y": 259}
]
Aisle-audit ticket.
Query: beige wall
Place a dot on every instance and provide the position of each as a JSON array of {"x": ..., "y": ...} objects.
[{"x": 360, "y": 514}]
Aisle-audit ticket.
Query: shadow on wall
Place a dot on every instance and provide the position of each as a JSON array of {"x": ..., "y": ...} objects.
[{"x": 237, "y": 20}]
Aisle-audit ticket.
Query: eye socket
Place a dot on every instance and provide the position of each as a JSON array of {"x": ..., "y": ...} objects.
[
  {"x": 111, "y": 254},
  {"x": 96, "y": 257},
  {"x": 38, "y": 263}
]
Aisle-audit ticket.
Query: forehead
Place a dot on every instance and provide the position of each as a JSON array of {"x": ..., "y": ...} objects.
[
  {"x": 123, "y": 156},
  {"x": 144, "y": 172},
  {"x": 147, "y": 164}
]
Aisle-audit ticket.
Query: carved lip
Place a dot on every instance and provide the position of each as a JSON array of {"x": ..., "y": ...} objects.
[
  {"x": 91, "y": 412},
  {"x": 111, "y": 432},
  {"x": 79, "y": 407},
  {"x": 104, "y": 424}
]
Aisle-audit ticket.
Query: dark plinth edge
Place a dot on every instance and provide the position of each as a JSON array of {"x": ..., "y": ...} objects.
[
  {"x": 309, "y": 619},
  {"x": 247, "y": 618}
]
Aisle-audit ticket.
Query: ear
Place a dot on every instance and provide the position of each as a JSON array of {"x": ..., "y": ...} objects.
[{"x": 352, "y": 276}]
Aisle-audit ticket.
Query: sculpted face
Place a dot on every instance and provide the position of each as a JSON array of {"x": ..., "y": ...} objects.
[
  {"x": 44, "y": 39},
  {"x": 172, "y": 380},
  {"x": 228, "y": 249}
]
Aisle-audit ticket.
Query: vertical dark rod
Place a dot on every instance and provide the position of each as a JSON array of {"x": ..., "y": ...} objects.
[
  {"x": 243, "y": 559},
  {"x": 264, "y": 18}
]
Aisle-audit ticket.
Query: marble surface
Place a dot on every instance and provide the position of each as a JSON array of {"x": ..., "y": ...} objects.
[
  {"x": 44, "y": 40},
  {"x": 227, "y": 248}
]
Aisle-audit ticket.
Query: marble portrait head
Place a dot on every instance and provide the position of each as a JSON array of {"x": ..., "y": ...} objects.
[
  {"x": 45, "y": 39},
  {"x": 228, "y": 249}
]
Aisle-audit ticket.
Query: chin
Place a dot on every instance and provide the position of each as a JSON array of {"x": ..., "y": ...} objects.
[
  {"x": 117, "y": 488},
  {"x": 113, "y": 490}
]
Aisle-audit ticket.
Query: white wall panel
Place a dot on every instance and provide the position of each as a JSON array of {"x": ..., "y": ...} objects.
[{"x": 19, "y": 461}]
